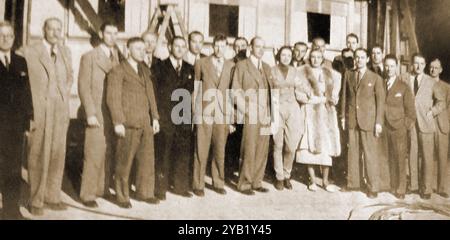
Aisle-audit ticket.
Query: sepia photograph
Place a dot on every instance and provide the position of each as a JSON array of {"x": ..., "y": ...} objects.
[{"x": 224, "y": 110}]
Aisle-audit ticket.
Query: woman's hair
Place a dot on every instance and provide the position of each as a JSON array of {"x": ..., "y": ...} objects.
[
  {"x": 278, "y": 56},
  {"x": 315, "y": 50}
]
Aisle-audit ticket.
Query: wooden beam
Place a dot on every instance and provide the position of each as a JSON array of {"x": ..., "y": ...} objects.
[{"x": 409, "y": 26}]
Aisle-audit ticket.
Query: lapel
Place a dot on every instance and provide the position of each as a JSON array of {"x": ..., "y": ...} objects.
[
  {"x": 227, "y": 65},
  {"x": 132, "y": 73},
  {"x": 212, "y": 70},
  {"x": 63, "y": 55},
  {"x": 394, "y": 87},
  {"x": 45, "y": 59},
  {"x": 102, "y": 60},
  {"x": 364, "y": 80},
  {"x": 254, "y": 72},
  {"x": 422, "y": 84}
]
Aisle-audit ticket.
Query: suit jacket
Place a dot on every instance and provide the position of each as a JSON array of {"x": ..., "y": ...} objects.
[
  {"x": 206, "y": 73},
  {"x": 443, "y": 117},
  {"x": 429, "y": 97},
  {"x": 130, "y": 97},
  {"x": 400, "y": 110},
  {"x": 167, "y": 81},
  {"x": 365, "y": 102},
  {"x": 377, "y": 70},
  {"x": 248, "y": 77},
  {"x": 94, "y": 66},
  {"x": 16, "y": 105}
]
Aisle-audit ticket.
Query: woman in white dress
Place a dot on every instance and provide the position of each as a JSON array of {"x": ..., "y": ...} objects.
[{"x": 320, "y": 141}]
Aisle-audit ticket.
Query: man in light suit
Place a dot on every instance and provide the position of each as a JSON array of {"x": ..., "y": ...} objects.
[
  {"x": 51, "y": 78},
  {"x": 94, "y": 66},
  {"x": 131, "y": 100},
  {"x": 253, "y": 76},
  {"x": 430, "y": 102},
  {"x": 194, "y": 54},
  {"x": 365, "y": 109},
  {"x": 214, "y": 76},
  {"x": 400, "y": 116},
  {"x": 442, "y": 133}
]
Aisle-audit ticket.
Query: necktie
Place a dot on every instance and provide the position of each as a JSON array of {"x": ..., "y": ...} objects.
[
  {"x": 111, "y": 56},
  {"x": 416, "y": 84},
  {"x": 53, "y": 53},
  {"x": 358, "y": 78},
  {"x": 178, "y": 68},
  {"x": 219, "y": 66},
  {"x": 260, "y": 67},
  {"x": 6, "y": 62}
]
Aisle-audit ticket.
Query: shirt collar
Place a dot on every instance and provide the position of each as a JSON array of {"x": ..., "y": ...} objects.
[
  {"x": 255, "y": 61},
  {"x": 7, "y": 54},
  {"x": 48, "y": 46},
  {"x": 175, "y": 62},
  {"x": 106, "y": 49},
  {"x": 362, "y": 71},
  {"x": 133, "y": 64}
]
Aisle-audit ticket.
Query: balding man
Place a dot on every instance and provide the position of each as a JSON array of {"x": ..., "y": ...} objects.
[
  {"x": 50, "y": 68},
  {"x": 319, "y": 43}
]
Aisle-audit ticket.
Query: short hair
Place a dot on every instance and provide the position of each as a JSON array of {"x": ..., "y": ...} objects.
[
  {"x": 219, "y": 38},
  {"x": 392, "y": 57},
  {"x": 436, "y": 60},
  {"x": 278, "y": 56},
  {"x": 377, "y": 46},
  {"x": 346, "y": 50},
  {"x": 191, "y": 35},
  {"x": 240, "y": 38},
  {"x": 317, "y": 39},
  {"x": 106, "y": 24},
  {"x": 52, "y": 19},
  {"x": 254, "y": 39},
  {"x": 134, "y": 40},
  {"x": 361, "y": 50},
  {"x": 177, "y": 38},
  {"x": 353, "y": 36},
  {"x": 300, "y": 44},
  {"x": 417, "y": 54}
]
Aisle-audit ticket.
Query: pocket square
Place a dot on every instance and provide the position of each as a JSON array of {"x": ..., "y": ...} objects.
[
  {"x": 398, "y": 95},
  {"x": 23, "y": 74}
]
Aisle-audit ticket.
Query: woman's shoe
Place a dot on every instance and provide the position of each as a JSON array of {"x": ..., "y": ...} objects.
[
  {"x": 313, "y": 187},
  {"x": 332, "y": 188}
]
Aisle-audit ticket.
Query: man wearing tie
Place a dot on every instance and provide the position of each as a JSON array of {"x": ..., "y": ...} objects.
[
  {"x": 98, "y": 152},
  {"x": 253, "y": 76},
  {"x": 51, "y": 78},
  {"x": 366, "y": 95},
  {"x": 214, "y": 76},
  {"x": 150, "y": 39},
  {"x": 299, "y": 54},
  {"x": 131, "y": 100},
  {"x": 441, "y": 136},
  {"x": 430, "y": 102},
  {"x": 194, "y": 54},
  {"x": 16, "y": 111},
  {"x": 376, "y": 60},
  {"x": 400, "y": 115}
]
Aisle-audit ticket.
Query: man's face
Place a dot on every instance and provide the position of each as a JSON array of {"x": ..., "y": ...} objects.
[
  {"x": 435, "y": 69},
  {"x": 178, "y": 49},
  {"x": 137, "y": 51},
  {"x": 377, "y": 55},
  {"x": 316, "y": 58},
  {"x": 391, "y": 67},
  {"x": 196, "y": 44},
  {"x": 109, "y": 35},
  {"x": 418, "y": 65},
  {"x": 150, "y": 43},
  {"x": 319, "y": 44},
  {"x": 258, "y": 48},
  {"x": 361, "y": 59},
  {"x": 286, "y": 57},
  {"x": 240, "y": 45},
  {"x": 300, "y": 52},
  {"x": 220, "y": 48},
  {"x": 352, "y": 43},
  {"x": 52, "y": 31},
  {"x": 6, "y": 38}
]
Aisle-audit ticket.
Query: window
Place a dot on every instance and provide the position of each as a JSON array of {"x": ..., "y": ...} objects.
[
  {"x": 113, "y": 10},
  {"x": 318, "y": 26},
  {"x": 223, "y": 19}
]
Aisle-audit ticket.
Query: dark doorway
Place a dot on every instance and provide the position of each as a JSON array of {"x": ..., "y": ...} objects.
[
  {"x": 318, "y": 26},
  {"x": 14, "y": 10}
]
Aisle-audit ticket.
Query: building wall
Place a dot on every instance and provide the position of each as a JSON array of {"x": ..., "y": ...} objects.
[{"x": 278, "y": 22}]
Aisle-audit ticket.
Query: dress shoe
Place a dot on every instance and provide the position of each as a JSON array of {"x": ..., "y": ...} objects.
[
  {"x": 347, "y": 189},
  {"x": 56, "y": 206},
  {"x": 149, "y": 200},
  {"x": 248, "y": 192},
  {"x": 400, "y": 196},
  {"x": 444, "y": 195},
  {"x": 125, "y": 205},
  {"x": 90, "y": 204},
  {"x": 220, "y": 191},
  {"x": 287, "y": 184},
  {"x": 425, "y": 196},
  {"x": 279, "y": 185},
  {"x": 161, "y": 197},
  {"x": 372, "y": 195},
  {"x": 35, "y": 211},
  {"x": 199, "y": 193},
  {"x": 185, "y": 194},
  {"x": 261, "y": 189}
]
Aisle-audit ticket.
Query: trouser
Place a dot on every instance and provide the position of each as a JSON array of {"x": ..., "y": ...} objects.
[
  {"x": 207, "y": 135},
  {"x": 398, "y": 147},
  {"x": 287, "y": 138},
  {"x": 363, "y": 143},
  {"x": 137, "y": 145},
  {"x": 47, "y": 153},
  {"x": 442, "y": 157},
  {"x": 421, "y": 160},
  {"x": 232, "y": 151},
  {"x": 98, "y": 154}
]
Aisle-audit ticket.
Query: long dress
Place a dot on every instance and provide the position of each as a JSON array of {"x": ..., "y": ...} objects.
[{"x": 320, "y": 141}]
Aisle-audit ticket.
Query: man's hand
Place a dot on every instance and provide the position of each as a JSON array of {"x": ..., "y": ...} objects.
[
  {"x": 156, "y": 126},
  {"x": 231, "y": 128},
  {"x": 378, "y": 130},
  {"x": 92, "y": 122},
  {"x": 119, "y": 130}
]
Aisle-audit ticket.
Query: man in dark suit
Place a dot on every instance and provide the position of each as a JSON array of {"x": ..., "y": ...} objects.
[
  {"x": 366, "y": 96},
  {"x": 400, "y": 115},
  {"x": 253, "y": 76},
  {"x": 214, "y": 76},
  {"x": 430, "y": 102},
  {"x": 352, "y": 43},
  {"x": 132, "y": 103},
  {"x": 174, "y": 86},
  {"x": 16, "y": 111},
  {"x": 299, "y": 54},
  {"x": 441, "y": 136},
  {"x": 376, "y": 60},
  {"x": 151, "y": 40}
]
